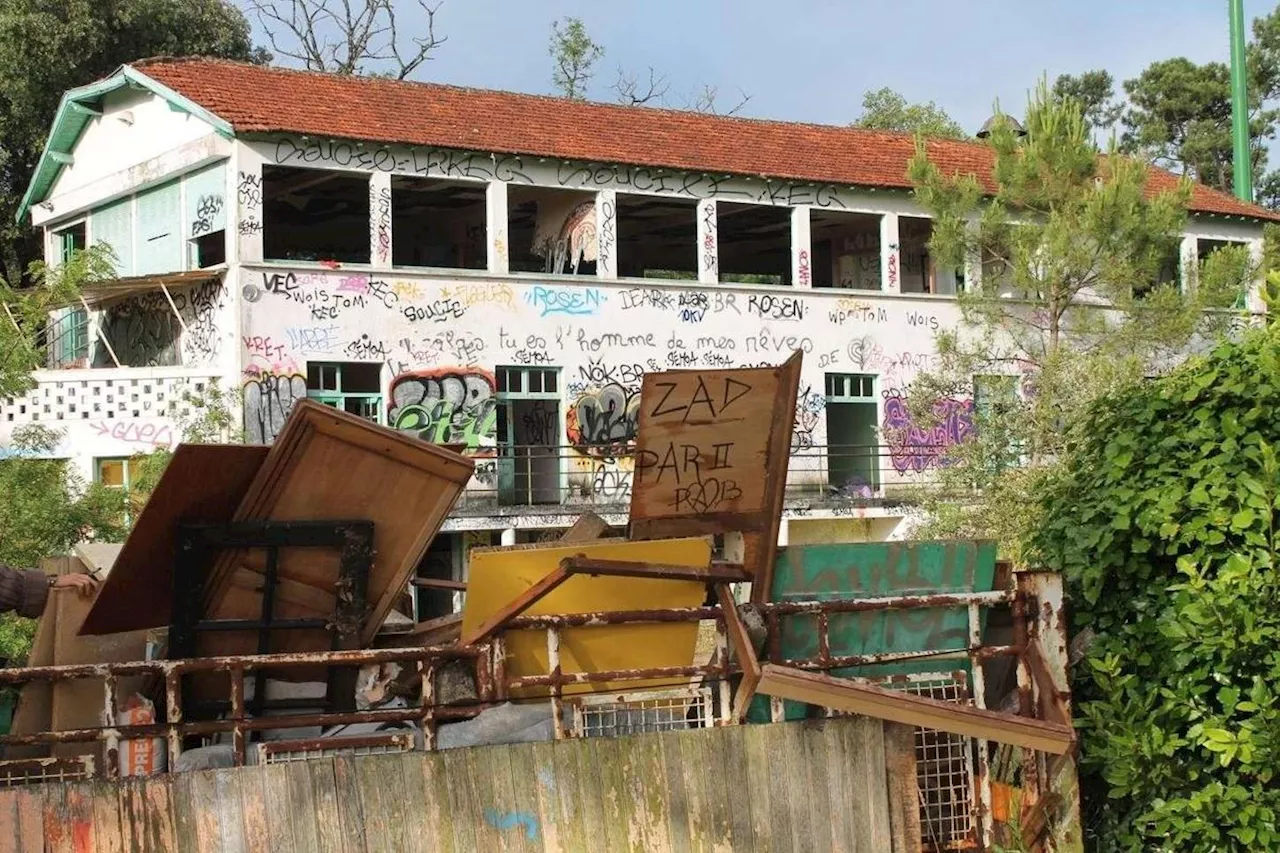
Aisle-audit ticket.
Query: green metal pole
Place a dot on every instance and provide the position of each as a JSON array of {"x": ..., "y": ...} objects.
[{"x": 1242, "y": 169}]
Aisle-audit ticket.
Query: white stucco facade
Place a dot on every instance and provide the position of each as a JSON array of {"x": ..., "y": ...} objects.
[{"x": 446, "y": 342}]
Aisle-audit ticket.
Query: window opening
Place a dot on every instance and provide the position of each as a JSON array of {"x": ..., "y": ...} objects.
[
  {"x": 846, "y": 250},
  {"x": 315, "y": 215},
  {"x": 1206, "y": 248},
  {"x": 921, "y": 273},
  {"x": 754, "y": 243},
  {"x": 209, "y": 250},
  {"x": 437, "y": 223},
  {"x": 68, "y": 338},
  {"x": 853, "y": 450},
  {"x": 657, "y": 237},
  {"x": 551, "y": 231},
  {"x": 69, "y": 240},
  {"x": 530, "y": 424},
  {"x": 436, "y": 564},
  {"x": 351, "y": 386},
  {"x": 118, "y": 473}
]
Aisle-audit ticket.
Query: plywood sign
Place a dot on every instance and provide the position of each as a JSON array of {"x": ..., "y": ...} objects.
[{"x": 711, "y": 452}]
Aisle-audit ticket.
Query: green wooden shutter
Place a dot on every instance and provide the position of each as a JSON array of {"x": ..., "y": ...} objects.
[
  {"x": 160, "y": 238},
  {"x": 206, "y": 209},
  {"x": 113, "y": 225}
]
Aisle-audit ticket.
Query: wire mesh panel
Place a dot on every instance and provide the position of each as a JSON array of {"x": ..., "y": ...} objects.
[
  {"x": 281, "y": 751},
  {"x": 634, "y": 713},
  {"x": 944, "y": 767},
  {"x": 33, "y": 771}
]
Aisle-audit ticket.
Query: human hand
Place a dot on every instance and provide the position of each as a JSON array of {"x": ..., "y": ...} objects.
[{"x": 81, "y": 583}]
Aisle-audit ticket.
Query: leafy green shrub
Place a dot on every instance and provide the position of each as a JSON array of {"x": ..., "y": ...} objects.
[{"x": 1163, "y": 522}]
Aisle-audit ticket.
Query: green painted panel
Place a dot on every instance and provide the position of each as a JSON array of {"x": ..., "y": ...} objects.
[
  {"x": 206, "y": 209},
  {"x": 160, "y": 238},
  {"x": 113, "y": 225},
  {"x": 875, "y": 569}
]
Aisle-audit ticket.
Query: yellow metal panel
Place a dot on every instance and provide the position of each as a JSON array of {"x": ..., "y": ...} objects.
[{"x": 496, "y": 576}]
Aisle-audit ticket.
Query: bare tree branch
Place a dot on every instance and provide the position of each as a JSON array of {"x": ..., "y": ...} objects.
[
  {"x": 628, "y": 88},
  {"x": 706, "y": 100},
  {"x": 346, "y": 36}
]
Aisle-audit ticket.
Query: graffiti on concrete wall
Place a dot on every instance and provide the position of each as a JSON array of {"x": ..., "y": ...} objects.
[
  {"x": 452, "y": 405},
  {"x": 268, "y": 400},
  {"x": 915, "y": 447},
  {"x": 603, "y": 421}
]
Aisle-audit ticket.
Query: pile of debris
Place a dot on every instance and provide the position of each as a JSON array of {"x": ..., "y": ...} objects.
[{"x": 254, "y": 603}]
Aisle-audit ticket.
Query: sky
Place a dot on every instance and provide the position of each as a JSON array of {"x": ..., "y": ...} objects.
[{"x": 812, "y": 60}]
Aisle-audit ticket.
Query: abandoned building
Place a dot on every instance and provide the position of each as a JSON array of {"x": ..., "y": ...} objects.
[{"x": 497, "y": 272}]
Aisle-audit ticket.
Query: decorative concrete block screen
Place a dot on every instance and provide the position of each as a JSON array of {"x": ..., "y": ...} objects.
[
  {"x": 819, "y": 785},
  {"x": 108, "y": 395}
]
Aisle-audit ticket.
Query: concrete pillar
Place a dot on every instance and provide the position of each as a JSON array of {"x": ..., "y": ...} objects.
[
  {"x": 1189, "y": 263},
  {"x": 890, "y": 255},
  {"x": 380, "y": 220},
  {"x": 607, "y": 234},
  {"x": 247, "y": 215},
  {"x": 708, "y": 243},
  {"x": 801, "y": 250},
  {"x": 496, "y": 219},
  {"x": 508, "y": 537}
]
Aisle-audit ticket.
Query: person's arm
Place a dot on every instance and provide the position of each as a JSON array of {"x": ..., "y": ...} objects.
[{"x": 25, "y": 592}]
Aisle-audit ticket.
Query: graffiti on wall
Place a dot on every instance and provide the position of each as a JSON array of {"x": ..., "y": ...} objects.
[
  {"x": 144, "y": 332},
  {"x": 916, "y": 447},
  {"x": 603, "y": 421},
  {"x": 268, "y": 400},
  {"x": 809, "y": 409},
  {"x": 452, "y": 405}
]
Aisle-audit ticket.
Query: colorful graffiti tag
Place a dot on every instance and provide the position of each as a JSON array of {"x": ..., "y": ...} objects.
[
  {"x": 915, "y": 447},
  {"x": 603, "y": 422},
  {"x": 452, "y": 405}
]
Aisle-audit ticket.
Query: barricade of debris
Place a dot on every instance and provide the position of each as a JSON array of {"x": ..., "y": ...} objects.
[{"x": 250, "y": 618}]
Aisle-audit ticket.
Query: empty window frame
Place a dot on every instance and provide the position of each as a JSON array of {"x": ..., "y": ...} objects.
[
  {"x": 921, "y": 273},
  {"x": 846, "y": 250},
  {"x": 551, "y": 231},
  {"x": 436, "y": 223},
  {"x": 853, "y": 450},
  {"x": 754, "y": 243},
  {"x": 69, "y": 240},
  {"x": 530, "y": 424},
  {"x": 352, "y": 386},
  {"x": 657, "y": 237},
  {"x": 68, "y": 338},
  {"x": 315, "y": 215}
]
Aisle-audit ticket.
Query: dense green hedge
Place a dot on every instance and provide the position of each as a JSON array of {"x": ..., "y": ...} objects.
[{"x": 1164, "y": 525}]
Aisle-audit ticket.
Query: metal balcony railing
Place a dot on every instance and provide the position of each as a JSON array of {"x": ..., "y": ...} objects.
[{"x": 566, "y": 476}]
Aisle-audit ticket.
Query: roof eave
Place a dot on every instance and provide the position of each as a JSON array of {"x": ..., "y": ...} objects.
[{"x": 72, "y": 112}]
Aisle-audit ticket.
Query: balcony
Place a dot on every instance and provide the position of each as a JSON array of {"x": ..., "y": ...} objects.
[{"x": 512, "y": 479}]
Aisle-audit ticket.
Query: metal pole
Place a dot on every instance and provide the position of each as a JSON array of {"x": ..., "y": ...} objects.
[{"x": 1242, "y": 169}]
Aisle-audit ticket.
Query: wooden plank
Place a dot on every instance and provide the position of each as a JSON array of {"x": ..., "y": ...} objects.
[
  {"x": 648, "y": 793},
  {"x": 589, "y": 526},
  {"x": 708, "y": 748},
  {"x": 9, "y": 814},
  {"x": 200, "y": 483},
  {"x": 230, "y": 815},
  {"x": 350, "y": 811},
  {"x": 585, "y": 774},
  {"x": 328, "y": 464},
  {"x": 324, "y": 797},
  {"x": 379, "y": 834},
  {"x": 781, "y": 787},
  {"x": 903, "y": 789},
  {"x": 725, "y": 572},
  {"x": 439, "y": 583},
  {"x": 743, "y": 648},
  {"x": 838, "y": 768},
  {"x": 422, "y": 819},
  {"x": 900, "y": 707},
  {"x": 107, "y": 829},
  {"x": 759, "y": 761},
  {"x": 203, "y": 801},
  {"x": 433, "y": 632},
  {"x": 161, "y": 829},
  {"x": 526, "y": 786},
  {"x": 425, "y": 773},
  {"x": 515, "y": 607},
  {"x": 254, "y": 805},
  {"x": 275, "y": 793},
  {"x": 687, "y": 802},
  {"x": 572, "y": 834},
  {"x": 53, "y": 813},
  {"x": 764, "y": 544},
  {"x": 506, "y": 802},
  {"x": 871, "y": 747},
  {"x": 30, "y": 824},
  {"x": 711, "y": 453},
  {"x": 815, "y": 758},
  {"x": 452, "y": 779},
  {"x": 608, "y": 760},
  {"x": 734, "y": 769}
]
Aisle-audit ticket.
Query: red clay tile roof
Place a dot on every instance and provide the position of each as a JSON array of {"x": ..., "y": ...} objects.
[{"x": 258, "y": 99}]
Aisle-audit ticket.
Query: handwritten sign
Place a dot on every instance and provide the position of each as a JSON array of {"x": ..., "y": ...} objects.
[{"x": 711, "y": 452}]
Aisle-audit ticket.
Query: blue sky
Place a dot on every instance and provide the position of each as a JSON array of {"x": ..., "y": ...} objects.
[{"x": 811, "y": 60}]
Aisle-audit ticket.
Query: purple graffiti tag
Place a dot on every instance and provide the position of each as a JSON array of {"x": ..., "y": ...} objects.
[{"x": 914, "y": 447}]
